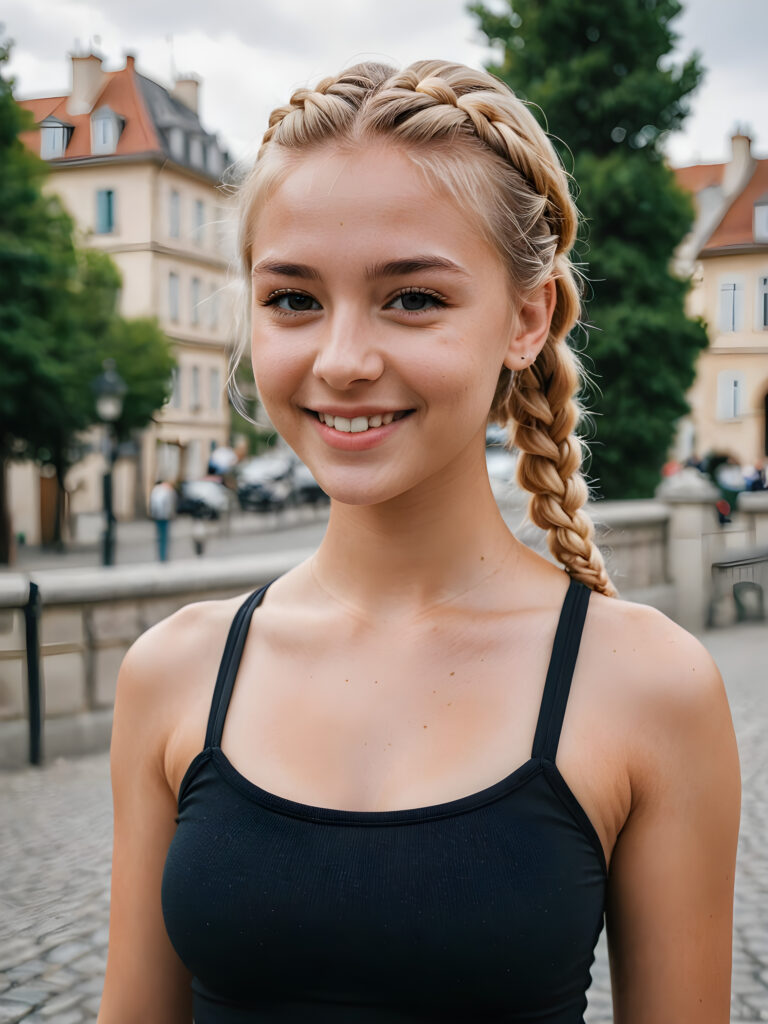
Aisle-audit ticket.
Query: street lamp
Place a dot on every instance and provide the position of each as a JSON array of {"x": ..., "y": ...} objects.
[{"x": 109, "y": 388}]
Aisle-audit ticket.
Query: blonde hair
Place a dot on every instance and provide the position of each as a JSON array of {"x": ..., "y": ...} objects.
[{"x": 472, "y": 135}]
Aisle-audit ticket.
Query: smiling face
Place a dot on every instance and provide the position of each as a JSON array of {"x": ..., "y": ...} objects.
[{"x": 381, "y": 321}]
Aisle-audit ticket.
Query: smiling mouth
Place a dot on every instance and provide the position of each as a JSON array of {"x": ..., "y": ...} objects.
[{"x": 359, "y": 424}]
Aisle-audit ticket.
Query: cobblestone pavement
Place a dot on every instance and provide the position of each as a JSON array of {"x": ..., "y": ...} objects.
[{"x": 55, "y": 840}]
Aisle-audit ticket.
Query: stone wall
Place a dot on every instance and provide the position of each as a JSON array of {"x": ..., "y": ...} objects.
[{"x": 658, "y": 552}]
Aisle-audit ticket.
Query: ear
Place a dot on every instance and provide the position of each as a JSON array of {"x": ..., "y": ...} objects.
[{"x": 532, "y": 327}]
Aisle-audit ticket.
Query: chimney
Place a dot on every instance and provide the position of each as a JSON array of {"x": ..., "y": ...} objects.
[
  {"x": 87, "y": 81},
  {"x": 186, "y": 89},
  {"x": 740, "y": 167}
]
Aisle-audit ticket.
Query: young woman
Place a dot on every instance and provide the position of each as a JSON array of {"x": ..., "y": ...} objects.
[{"x": 406, "y": 780}]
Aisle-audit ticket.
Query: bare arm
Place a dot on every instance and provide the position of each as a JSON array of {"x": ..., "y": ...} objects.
[
  {"x": 145, "y": 980},
  {"x": 670, "y": 899}
]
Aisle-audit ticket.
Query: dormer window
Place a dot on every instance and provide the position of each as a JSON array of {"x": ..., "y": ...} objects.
[
  {"x": 213, "y": 160},
  {"x": 761, "y": 220},
  {"x": 176, "y": 143},
  {"x": 106, "y": 127},
  {"x": 54, "y": 138},
  {"x": 196, "y": 151}
]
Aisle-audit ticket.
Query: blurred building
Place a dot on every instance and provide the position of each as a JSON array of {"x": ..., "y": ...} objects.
[
  {"x": 726, "y": 254},
  {"x": 141, "y": 177}
]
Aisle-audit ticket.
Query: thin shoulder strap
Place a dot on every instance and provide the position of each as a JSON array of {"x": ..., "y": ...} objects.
[
  {"x": 230, "y": 662},
  {"x": 565, "y": 650}
]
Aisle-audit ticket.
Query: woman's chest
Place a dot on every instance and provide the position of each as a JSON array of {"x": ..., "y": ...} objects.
[{"x": 372, "y": 726}]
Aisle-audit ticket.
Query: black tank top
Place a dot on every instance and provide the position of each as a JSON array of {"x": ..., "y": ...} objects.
[{"x": 484, "y": 908}]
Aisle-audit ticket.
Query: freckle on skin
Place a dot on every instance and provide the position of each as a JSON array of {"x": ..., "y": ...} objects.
[
  {"x": 453, "y": 673},
  {"x": 425, "y": 727}
]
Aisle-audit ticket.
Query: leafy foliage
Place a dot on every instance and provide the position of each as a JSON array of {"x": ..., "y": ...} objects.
[{"x": 601, "y": 83}]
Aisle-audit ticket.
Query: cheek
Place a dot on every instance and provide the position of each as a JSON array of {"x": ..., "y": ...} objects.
[
  {"x": 462, "y": 375},
  {"x": 277, "y": 366}
]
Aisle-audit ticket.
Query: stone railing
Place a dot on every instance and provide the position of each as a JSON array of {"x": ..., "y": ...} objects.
[
  {"x": 89, "y": 619},
  {"x": 658, "y": 552}
]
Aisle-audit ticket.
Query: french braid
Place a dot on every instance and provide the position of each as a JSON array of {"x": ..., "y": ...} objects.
[{"x": 477, "y": 139}]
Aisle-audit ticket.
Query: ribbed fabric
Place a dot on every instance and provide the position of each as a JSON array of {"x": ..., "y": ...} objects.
[{"x": 485, "y": 908}]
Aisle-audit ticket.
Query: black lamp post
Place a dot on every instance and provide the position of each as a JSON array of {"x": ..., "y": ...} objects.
[{"x": 109, "y": 388}]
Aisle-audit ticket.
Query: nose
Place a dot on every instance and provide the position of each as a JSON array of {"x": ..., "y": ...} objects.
[{"x": 346, "y": 354}]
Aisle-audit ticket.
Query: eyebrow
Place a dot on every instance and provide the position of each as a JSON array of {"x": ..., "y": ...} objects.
[{"x": 392, "y": 268}]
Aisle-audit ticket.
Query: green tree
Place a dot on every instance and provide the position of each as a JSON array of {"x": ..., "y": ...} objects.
[
  {"x": 38, "y": 266},
  {"x": 604, "y": 87},
  {"x": 58, "y": 322},
  {"x": 91, "y": 332}
]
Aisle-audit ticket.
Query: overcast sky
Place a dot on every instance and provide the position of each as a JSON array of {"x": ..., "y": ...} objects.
[{"x": 250, "y": 54}]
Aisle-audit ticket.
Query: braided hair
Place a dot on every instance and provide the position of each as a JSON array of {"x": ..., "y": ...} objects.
[{"x": 472, "y": 136}]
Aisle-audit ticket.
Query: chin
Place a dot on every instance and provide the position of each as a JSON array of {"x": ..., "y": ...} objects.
[{"x": 359, "y": 492}]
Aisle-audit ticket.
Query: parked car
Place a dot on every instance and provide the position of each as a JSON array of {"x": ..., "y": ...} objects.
[
  {"x": 265, "y": 483},
  {"x": 203, "y": 499}
]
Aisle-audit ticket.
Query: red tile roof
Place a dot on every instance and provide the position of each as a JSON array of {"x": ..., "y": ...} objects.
[
  {"x": 119, "y": 92},
  {"x": 736, "y": 226},
  {"x": 699, "y": 176}
]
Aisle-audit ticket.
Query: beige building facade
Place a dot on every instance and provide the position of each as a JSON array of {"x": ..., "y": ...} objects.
[
  {"x": 727, "y": 257},
  {"x": 141, "y": 178}
]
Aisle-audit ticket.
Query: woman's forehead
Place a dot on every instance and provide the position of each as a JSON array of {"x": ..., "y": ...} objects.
[{"x": 372, "y": 198}]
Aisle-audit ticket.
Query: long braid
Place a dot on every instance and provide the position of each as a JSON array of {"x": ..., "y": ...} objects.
[{"x": 446, "y": 114}]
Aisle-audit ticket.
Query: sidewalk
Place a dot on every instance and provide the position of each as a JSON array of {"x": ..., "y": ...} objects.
[
  {"x": 55, "y": 850},
  {"x": 135, "y": 540}
]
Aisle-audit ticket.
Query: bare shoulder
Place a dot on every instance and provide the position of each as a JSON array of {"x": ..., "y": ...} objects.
[
  {"x": 669, "y": 689},
  {"x": 167, "y": 676},
  {"x": 670, "y": 895}
]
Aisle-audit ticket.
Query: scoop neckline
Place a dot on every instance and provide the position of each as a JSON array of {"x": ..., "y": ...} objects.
[{"x": 312, "y": 812}]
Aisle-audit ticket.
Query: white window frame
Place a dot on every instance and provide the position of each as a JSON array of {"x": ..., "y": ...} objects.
[
  {"x": 761, "y": 303},
  {"x": 194, "y": 402},
  {"x": 175, "y": 397},
  {"x": 174, "y": 214},
  {"x": 760, "y": 221},
  {"x": 195, "y": 295},
  {"x": 105, "y": 132},
  {"x": 176, "y": 142},
  {"x": 111, "y": 228},
  {"x": 174, "y": 305},
  {"x": 198, "y": 227},
  {"x": 214, "y": 380},
  {"x": 731, "y": 395},
  {"x": 730, "y": 308},
  {"x": 54, "y": 139},
  {"x": 196, "y": 151},
  {"x": 213, "y": 308},
  {"x": 213, "y": 160}
]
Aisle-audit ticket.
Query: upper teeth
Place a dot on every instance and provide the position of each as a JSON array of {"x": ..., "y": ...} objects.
[{"x": 358, "y": 424}]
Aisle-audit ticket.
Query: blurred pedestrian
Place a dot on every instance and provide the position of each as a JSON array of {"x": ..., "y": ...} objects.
[
  {"x": 756, "y": 477},
  {"x": 162, "y": 508}
]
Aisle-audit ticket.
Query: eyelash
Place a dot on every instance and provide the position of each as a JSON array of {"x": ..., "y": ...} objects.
[{"x": 273, "y": 297}]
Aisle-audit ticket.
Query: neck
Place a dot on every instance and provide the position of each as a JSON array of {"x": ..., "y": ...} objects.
[{"x": 421, "y": 549}]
